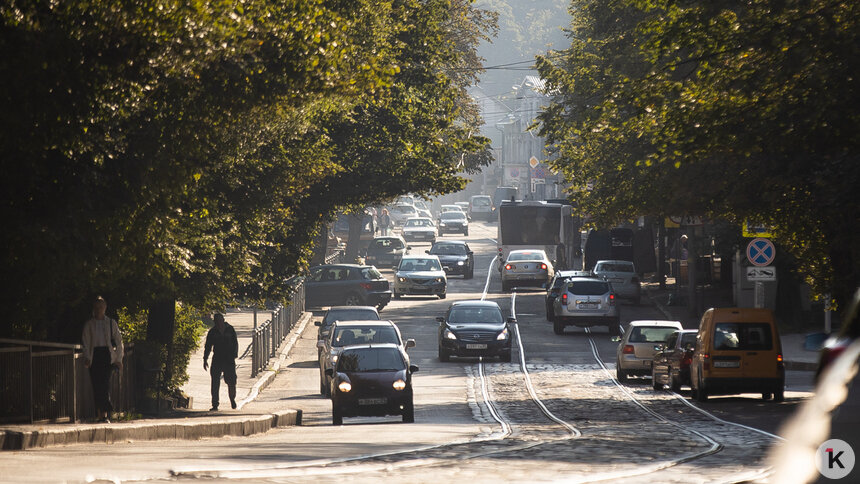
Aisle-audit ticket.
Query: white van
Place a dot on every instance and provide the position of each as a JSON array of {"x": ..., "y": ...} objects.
[{"x": 481, "y": 207}]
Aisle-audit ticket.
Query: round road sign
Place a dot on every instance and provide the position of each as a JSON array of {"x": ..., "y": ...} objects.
[{"x": 760, "y": 252}]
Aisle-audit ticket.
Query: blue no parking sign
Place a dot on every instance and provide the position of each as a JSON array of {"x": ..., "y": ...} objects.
[{"x": 760, "y": 252}]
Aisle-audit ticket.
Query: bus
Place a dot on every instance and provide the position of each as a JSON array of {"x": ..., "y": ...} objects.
[{"x": 540, "y": 225}]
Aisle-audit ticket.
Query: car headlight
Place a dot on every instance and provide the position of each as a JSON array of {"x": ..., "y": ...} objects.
[
  {"x": 334, "y": 358},
  {"x": 399, "y": 385},
  {"x": 503, "y": 335},
  {"x": 440, "y": 279},
  {"x": 401, "y": 279},
  {"x": 450, "y": 334},
  {"x": 442, "y": 223},
  {"x": 460, "y": 263},
  {"x": 344, "y": 386}
]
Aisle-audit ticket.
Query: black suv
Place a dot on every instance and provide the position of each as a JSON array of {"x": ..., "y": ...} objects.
[
  {"x": 346, "y": 285},
  {"x": 456, "y": 257}
]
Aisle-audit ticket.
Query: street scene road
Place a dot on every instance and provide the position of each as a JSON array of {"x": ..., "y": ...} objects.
[{"x": 554, "y": 413}]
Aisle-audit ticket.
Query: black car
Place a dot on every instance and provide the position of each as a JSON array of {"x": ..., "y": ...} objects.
[
  {"x": 371, "y": 380},
  {"x": 474, "y": 328},
  {"x": 386, "y": 251},
  {"x": 456, "y": 257},
  {"x": 671, "y": 363},
  {"x": 453, "y": 222},
  {"x": 554, "y": 288},
  {"x": 346, "y": 285}
]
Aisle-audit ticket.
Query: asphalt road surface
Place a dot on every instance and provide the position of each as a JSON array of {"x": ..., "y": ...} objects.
[{"x": 555, "y": 413}]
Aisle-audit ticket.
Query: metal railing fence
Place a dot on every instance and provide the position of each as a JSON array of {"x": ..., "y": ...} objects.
[
  {"x": 48, "y": 382},
  {"x": 268, "y": 336},
  {"x": 335, "y": 257}
]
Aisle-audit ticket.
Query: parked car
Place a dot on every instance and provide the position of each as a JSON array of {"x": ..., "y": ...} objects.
[
  {"x": 671, "y": 363},
  {"x": 835, "y": 344},
  {"x": 586, "y": 302},
  {"x": 420, "y": 274},
  {"x": 346, "y": 285},
  {"x": 372, "y": 380},
  {"x": 481, "y": 206},
  {"x": 554, "y": 288},
  {"x": 401, "y": 213},
  {"x": 635, "y": 353},
  {"x": 347, "y": 333},
  {"x": 456, "y": 257},
  {"x": 386, "y": 251},
  {"x": 474, "y": 328},
  {"x": 453, "y": 221},
  {"x": 419, "y": 228},
  {"x": 738, "y": 350},
  {"x": 527, "y": 267},
  {"x": 341, "y": 313},
  {"x": 623, "y": 277}
]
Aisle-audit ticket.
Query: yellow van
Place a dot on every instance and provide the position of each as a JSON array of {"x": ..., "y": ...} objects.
[{"x": 738, "y": 351}]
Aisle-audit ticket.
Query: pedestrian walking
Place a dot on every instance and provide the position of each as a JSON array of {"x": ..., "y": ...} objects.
[
  {"x": 103, "y": 351},
  {"x": 224, "y": 345},
  {"x": 385, "y": 221}
]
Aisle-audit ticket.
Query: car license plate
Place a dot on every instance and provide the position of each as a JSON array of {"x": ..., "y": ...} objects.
[
  {"x": 372, "y": 401},
  {"x": 476, "y": 346},
  {"x": 587, "y": 306},
  {"x": 727, "y": 364}
]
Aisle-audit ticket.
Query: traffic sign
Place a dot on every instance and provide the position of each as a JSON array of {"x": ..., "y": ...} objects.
[
  {"x": 751, "y": 229},
  {"x": 533, "y": 162},
  {"x": 760, "y": 252},
  {"x": 765, "y": 273}
]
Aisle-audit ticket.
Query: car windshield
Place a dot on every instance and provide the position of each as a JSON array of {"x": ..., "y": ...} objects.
[
  {"x": 370, "y": 359},
  {"x": 386, "y": 244},
  {"x": 363, "y": 335},
  {"x": 588, "y": 288},
  {"x": 419, "y": 223},
  {"x": 531, "y": 255},
  {"x": 351, "y": 314},
  {"x": 650, "y": 334},
  {"x": 742, "y": 336},
  {"x": 414, "y": 265},
  {"x": 453, "y": 216},
  {"x": 614, "y": 267},
  {"x": 688, "y": 339},
  {"x": 481, "y": 202},
  {"x": 448, "y": 249},
  {"x": 450, "y": 208},
  {"x": 460, "y": 315},
  {"x": 402, "y": 209},
  {"x": 370, "y": 273}
]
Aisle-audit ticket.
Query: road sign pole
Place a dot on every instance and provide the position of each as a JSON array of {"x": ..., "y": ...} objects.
[
  {"x": 759, "y": 294},
  {"x": 827, "y": 314}
]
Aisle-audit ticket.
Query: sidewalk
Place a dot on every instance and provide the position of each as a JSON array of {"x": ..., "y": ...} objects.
[
  {"x": 794, "y": 354},
  {"x": 184, "y": 424}
]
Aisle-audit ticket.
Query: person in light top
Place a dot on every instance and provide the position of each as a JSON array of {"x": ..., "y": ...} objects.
[{"x": 103, "y": 351}]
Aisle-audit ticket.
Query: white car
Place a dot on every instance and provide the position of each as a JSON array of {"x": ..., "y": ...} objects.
[
  {"x": 640, "y": 342},
  {"x": 623, "y": 277},
  {"x": 419, "y": 229},
  {"x": 420, "y": 275},
  {"x": 527, "y": 267},
  {"x": 401, "y": 213}
]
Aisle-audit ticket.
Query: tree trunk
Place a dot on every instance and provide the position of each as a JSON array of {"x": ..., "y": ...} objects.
[
  {"x": 320, "y": 246},
  {"x": 353, "y": 243}
]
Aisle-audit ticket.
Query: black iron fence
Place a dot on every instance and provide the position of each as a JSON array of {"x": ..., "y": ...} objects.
[
  {"x": 48, "y": 382},
  {"x": 336, "y": 257},
  {"x": 269, "y": 335}
]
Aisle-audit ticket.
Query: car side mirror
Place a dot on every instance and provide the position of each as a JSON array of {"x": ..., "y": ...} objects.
[
  {"x": 317, "y": 323},
  {"x": 408, "y": 247},
  {"x": 469, "y": 253},
  {"x": 413, "y": 368},
  {"x": 426, "y": 251},
  {"x": 615, "y": 339},
  {"x": 512, "y": 320},
  {"x": 410, "y": 343},
  {"x": 329, "y": 372},
  {"x": 440, "y": 319}
]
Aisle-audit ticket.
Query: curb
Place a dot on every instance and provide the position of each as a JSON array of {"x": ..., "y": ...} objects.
[{"x": 111, "y": 433}]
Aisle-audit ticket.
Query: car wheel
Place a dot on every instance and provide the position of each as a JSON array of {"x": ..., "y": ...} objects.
[
  {"x": 336, "y": 416},
  {"x": 444, "y": 355},
  {"x": 557, "y": 326},
  {"x": 675, "y": 385},
  {"x": 766, "y": 395},
  {"x": 505, "y": 357},
  {"x": 656, "y": 383},
  {"x": 505, "y": 287},
  {"x": 620, "y": 374},
  {"x": 409, "y": 412},
  {"x": 397, "y": 295},
  {"x": 380, "y": 307},
  {"x": 615, "y": 329},
  {"x": 779, "y": 396},
  {"x": 322, "y": 388},
  {"x": 470, "y": 273},
  {"x": 352, "y": 299},
  {"x": 441, "y": 296},
  {"x": 465, "y": 233},
  {"x": 701, "y": 393}
]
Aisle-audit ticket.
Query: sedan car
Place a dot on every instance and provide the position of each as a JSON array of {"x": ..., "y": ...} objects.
[
  {"x": 347, "y": 333},
  {"x": 401, "y": 213},
  {"x": 456, "y": 257},
  {"x": 554, "y": 289},
  {"x": 671, "y": 363},
  {"x": 474, "y": 328},
  {"x": 341, "y": 313},
  {"x": 530, "y": 267},
  {"x": 419, "y": 229},
  {"x": 346, "y": 285},
  {"x": 371, "y": 380},
  {"x": 637, "y": 348},
  {"x": 386, "y": 251},
  {"x": 422, "y": 275},
  {"x": 453, "y": 221},
  {"x": 586, "y": 302},
  {"x": 623, "y": 277}
]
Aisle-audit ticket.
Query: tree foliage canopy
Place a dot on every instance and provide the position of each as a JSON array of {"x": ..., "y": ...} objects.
[
  {"x": 191, "y": 149},
  {"x": 731, "y": 110}
]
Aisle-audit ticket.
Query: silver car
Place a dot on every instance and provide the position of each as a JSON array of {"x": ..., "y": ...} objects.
[
  {"x": 419, "y": 228},
  {"x": 420, "y": 274},
  {"x": 586, "y": 302},
  {"x": 530, "y": 267},
  {"x": 640, "y": 342},
  {"x": 623, "y": 277}
]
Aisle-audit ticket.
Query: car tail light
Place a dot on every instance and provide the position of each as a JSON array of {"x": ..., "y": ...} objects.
[
  {"x": 779, "y": 362},
  {"x": 628, "y": 350},
  {"x": 543, "y": 266},
  {"x": 612, "y": 299},
  {"x": 687, "y": 359},
  {"x": 706, "y": 361},
  {"x": 366, "y": 285},
  {"x": 508, "y": 267},
  {"x": 564, "y": 299}
]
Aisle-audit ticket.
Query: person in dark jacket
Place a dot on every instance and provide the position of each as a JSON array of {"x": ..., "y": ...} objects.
[{"x": 224, "y": 345}]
